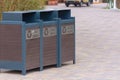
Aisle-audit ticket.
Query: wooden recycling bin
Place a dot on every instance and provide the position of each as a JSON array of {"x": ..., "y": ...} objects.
[
  {"x": 49, "y": 37},
  {"x": 66, "y": 49},
  {"x": 20, "y": 41}
]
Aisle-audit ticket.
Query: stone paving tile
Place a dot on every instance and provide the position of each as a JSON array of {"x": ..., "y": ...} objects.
[{"x": 97, "y": 48}]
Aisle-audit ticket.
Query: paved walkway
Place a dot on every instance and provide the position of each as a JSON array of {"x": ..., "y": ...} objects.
[{"x": 97, "y": 48}]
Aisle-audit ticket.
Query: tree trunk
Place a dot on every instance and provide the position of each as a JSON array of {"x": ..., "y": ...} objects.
[{"x": 118, "y": 4}]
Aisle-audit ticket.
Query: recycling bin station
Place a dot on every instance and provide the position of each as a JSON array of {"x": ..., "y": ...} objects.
[
  {"x": 20, "y": 41},
  {"x": 49, "y": 37},
  {"x": 34, "y": 39},
  {"x": 66, "y": 36}
]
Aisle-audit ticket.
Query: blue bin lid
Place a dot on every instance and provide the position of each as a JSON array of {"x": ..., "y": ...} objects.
[
  {"x": 63, "y": 13},
  {"x": 26, "y": 16},
  {"x": 46, "y": 15}
]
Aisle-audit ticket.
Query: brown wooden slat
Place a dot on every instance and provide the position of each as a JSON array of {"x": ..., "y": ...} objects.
[
  {"x": 67, "y": 47},
  {"x": 49, "y": 50},
  {"x": 32, "y": 52},
  {"x": 10, "y": 42}
]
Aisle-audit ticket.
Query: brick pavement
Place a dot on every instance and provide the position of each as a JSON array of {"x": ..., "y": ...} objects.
[{"x": 97, "y": 48}]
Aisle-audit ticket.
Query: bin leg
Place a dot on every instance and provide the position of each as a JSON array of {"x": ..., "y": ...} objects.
[
  {"x": 74, "y": 61},
  {"x": 59, "y": 65},
  {"x": 23, "y": 72},
  {"x": 0, "y": 70},
  {"x": 41, "y": 68}
]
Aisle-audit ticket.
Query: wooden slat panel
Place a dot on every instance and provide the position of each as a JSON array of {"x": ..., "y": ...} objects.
[
  {"x": 33, "y": 52},
  {"x": 49, "y": 50},
  {"x": 1, "y": 43},
  {"x": 10, "y": 40},
  {"x": 68, "y": 47},
  {"x": 68, "y": 44}
]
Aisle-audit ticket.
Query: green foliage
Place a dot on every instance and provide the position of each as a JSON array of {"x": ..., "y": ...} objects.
[
  {"x": 30, "y": 4},
  {"x": 20, "y": 5}
]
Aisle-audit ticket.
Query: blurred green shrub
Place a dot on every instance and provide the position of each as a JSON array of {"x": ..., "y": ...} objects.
[{"x": 20, "y": 5}]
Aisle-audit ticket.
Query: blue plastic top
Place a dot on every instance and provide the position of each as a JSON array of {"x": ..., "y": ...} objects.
[
  {"x": 63, "y": 13},
  {"x": 33, "y": 15},
  {"x": 26, "y": 16},
  {"x": 46, "y": 15}
]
